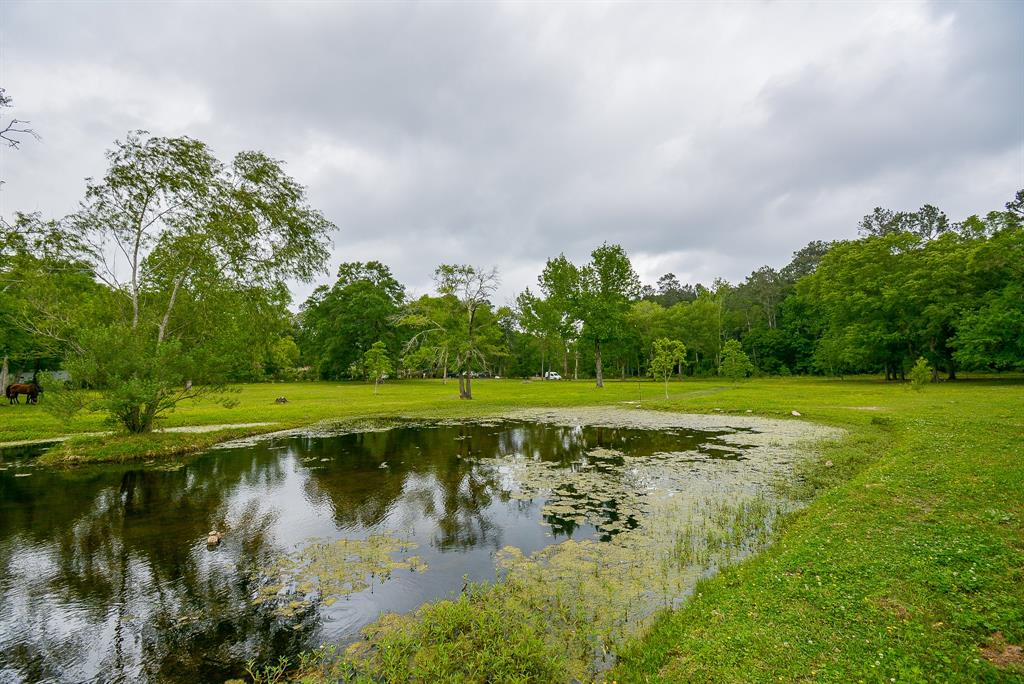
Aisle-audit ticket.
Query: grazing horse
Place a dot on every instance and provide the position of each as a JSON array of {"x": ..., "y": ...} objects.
[{"x": 31, "y": 391}]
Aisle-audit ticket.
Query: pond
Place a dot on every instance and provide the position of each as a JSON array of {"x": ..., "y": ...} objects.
[{"x": 106, "y": 573}]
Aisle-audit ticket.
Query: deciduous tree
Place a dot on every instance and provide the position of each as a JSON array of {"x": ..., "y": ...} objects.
[
  {"x": 377, "y": 363},
  {"x": 184, "y": 244},
  {"x": 604, "y": 289},
  {"x": 472, "y": 287},
  {"x": 668, "y": 354}
]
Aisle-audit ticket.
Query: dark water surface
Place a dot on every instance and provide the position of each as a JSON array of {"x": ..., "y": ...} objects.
[{"x": 105, "y": 574}]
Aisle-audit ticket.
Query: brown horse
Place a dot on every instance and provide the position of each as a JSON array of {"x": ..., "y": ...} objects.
[{"x": 31, "y": 391}]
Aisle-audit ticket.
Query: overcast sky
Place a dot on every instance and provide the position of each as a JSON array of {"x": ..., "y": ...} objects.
[{"x": 707, "y": 139}]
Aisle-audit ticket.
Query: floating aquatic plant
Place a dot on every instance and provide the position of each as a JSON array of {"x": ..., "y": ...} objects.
[{"x": 332, "y": 570}]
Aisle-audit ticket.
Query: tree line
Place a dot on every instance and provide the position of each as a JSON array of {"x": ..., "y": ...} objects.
[
  {"x": 912, "y": 285},
  {"x": 169, "y": 282}
]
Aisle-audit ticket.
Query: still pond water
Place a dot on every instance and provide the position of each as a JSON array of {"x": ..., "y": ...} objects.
[{"x": 105, "y": 572}]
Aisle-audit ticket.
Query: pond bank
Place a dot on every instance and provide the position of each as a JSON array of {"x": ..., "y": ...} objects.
[
  {"x": 184, "y": 428},
  {"x": 907, "y": 569},
  {"x": 172, "y": 442}
]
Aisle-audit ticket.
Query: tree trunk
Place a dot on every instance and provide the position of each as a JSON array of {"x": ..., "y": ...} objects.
[
  {"x": 598, "y": 370},
  {"x": 4, "y": 372},
  {"x": 576, "y": 367},
  {"x": 170, "y": 306},
  {"x": 666, "y": 387},
  {"x": 565, "y": 361},
  {"x": 469, "y": 386}
]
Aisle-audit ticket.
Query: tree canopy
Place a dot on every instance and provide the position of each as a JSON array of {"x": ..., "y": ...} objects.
[{"x": 193, "y": 256}]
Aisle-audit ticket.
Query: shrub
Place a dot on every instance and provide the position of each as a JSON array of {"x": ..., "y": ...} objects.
[{"x": 920, "y": 374}]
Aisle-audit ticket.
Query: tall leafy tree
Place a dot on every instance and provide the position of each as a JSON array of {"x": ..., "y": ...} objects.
[
  {"x": 990, "y": 334},
  {"x": 558, "y": 283},
  {"x": 700, "y": 325},
  {"x": 471, "y": 287},
  {"x": 868, "y": 324},
  {"x": 735, "y": 364},
  {"x": 339, "y": 324},
  {"x": 39, "y": 268},
  {"x": 182, "y": 240},
  {"x": 604, "y": 289},
  {"x": 542, "y": 319}
]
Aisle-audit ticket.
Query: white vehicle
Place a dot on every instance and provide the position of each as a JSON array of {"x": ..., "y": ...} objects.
[{"x": 552, "y": 375}]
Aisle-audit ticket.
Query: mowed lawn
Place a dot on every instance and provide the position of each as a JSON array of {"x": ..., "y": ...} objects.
[
  {"x": 907, "y": 566},
  {"x": 313, "y": 402}
]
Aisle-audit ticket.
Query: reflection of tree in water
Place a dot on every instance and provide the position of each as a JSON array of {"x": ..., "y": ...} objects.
[
  {"x": 570, "y": 446},
  {"x": 427, "y": 474},
  {"x": 109, "y": 569},
  {"x": 210, "y": 625},
  {"x": 359, "y": 491},
  {"x": 465, "y": 493},
  {"x": 372, "y": 475}
]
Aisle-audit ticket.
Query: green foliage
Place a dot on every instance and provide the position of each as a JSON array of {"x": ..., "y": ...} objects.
[
  {"x": 340, "y": 323},
  {"x": 208, "y": 249},
  {"x": 918, "y": 285},
  {"x": 990, "y": 334},
  {"x": 543, "y": 321},
  {"x": 920, "y": 374},
  {"x": 283, "y": 359},
  {"x": 598, "y": 295},
  {"x": 735, "y": 364},
  {"x": 486, "y": 634},
  {"x": 39, "y": 265},
  {"x": 459, "y": 329},
  {"x": 376, "y": 363},
  {"x": 668, "y": 354},
  {"x": 140, "y": 380}
]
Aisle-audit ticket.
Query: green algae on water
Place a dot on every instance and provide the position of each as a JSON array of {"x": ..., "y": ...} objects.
[{"x": 329, "y": 571}]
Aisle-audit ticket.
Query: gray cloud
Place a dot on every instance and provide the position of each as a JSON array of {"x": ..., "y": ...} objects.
[{"x": 707, "y": 139}]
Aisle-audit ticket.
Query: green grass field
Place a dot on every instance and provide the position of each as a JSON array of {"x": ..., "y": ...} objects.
[
  {"x": 907, "y": 566},
  {"x": 313, "y": 402}
]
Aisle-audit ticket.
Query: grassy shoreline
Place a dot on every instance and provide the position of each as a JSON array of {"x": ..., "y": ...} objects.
[{"x": 910, "y": 567}]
